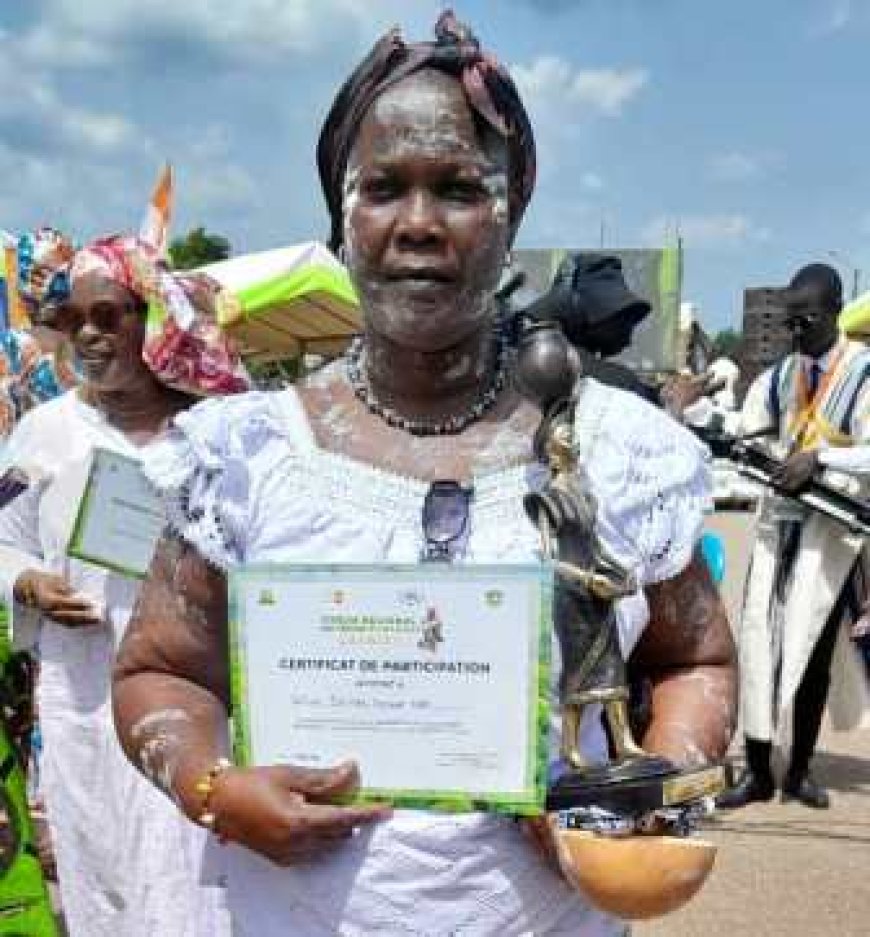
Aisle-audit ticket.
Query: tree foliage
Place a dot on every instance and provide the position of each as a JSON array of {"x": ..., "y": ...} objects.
[
  {"x": 727, "y": 343},
  {"x": 197, "y": 248}
]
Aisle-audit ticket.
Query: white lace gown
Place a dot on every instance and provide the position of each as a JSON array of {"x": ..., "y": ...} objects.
[
  {"x": 245, "y": 481},
  {"x": 128, "y": 861}
]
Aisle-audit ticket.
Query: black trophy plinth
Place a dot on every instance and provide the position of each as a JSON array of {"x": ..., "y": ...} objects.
[{"x": 634, "y": 788}]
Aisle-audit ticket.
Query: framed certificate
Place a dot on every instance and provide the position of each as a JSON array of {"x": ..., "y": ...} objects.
[
  {"x": 120, "y": 516},
  {"x": 434, "y": 678}
]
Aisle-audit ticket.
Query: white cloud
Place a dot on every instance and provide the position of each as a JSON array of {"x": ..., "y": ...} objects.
[
  {"x": 555, "y": 218},
  {"x": 32, "y": 109},
  {"x": 216, "y": 186},
  {"x": 608, "y": 89},
  {"x": 212, "y": 142},
  {"x": 603, "y": 90},
  {"x": 592, "y": 181},
  {"x": 90, "y": 193},
  {"x": 713, "y": 230},
  {"x": 742, "y": 166},
  {"x": 209, "y": 179},
  {"x": 73, "y": 165},
  {"x": 59, "y": 189},
  {"x": 100, "y": 131},
  {"x": 735, "y": 167},
  {"x": 835, "y": 16},
  {"x": 47, "y": 45},
  {"x": 98, "y": 32},
  {"x": 562, "y": 99}
]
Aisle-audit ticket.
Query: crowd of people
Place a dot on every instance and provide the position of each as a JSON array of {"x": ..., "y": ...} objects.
[{"x": 427, "y": 162}]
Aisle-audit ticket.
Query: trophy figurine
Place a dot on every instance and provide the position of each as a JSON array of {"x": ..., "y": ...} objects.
[{"x": 605, "y": 814}]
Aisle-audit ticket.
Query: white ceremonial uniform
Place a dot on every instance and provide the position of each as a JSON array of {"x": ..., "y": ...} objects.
[{"x": 774, "y": 637}]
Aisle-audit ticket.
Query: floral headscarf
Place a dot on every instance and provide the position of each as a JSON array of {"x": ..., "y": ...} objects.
[
  {"x": 184, "y": 346},
  {"x": 44, "y": 256},
  {"x": 29, "y": 376}
]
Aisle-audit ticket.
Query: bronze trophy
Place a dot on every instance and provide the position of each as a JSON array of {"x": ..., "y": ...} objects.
[{"x": 602, "y": 809}]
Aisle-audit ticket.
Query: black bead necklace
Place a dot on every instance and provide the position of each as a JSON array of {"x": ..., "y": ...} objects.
[{"x": 449, "y": 426}]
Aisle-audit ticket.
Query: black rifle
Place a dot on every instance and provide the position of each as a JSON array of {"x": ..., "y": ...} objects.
[{"x": 752, "y": 462}]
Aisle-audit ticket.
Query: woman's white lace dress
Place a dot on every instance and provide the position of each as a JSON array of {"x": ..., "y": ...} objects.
[{"x": 245, "y": 481}]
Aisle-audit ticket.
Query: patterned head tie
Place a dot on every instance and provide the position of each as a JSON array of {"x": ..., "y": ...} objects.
[
  {"x": 44, "y": 257},
  {"x": 489, "y": 89},
  {"x": 184, "y": 347}
]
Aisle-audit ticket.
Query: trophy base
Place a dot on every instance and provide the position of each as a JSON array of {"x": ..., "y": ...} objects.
[
  {"x": 634, "y": 877},
  {"x": 624, "y": 833},
  {"x": 634, "y": 787}
]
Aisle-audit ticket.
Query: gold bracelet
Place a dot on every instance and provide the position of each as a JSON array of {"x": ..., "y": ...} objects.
[{"x": 205, "y": 788}]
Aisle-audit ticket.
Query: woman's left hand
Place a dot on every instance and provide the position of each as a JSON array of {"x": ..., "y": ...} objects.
[{"x": 55, "y": 597}]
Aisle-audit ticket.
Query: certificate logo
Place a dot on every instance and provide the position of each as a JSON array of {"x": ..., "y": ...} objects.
[
  {"x": 433, "y": 631},
  {"x": 267, "y": 597},
  {"x": 338, "y": 597},
  {"x": 494, "y": 598},
  {"x": 410, "y": 598}
]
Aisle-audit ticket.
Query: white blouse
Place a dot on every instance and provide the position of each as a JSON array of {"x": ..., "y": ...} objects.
[{"x": 245, "y": 481}]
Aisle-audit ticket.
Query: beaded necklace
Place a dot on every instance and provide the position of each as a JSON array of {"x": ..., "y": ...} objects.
[{"x": 451, "y": 425}]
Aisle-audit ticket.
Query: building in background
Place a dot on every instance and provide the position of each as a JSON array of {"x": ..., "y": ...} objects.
[{"x": 765, "y": 336}]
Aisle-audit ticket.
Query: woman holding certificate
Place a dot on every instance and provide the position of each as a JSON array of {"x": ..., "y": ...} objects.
[
  {"x": 125, "y": 856},
  {"x": 427, "y": 162}
]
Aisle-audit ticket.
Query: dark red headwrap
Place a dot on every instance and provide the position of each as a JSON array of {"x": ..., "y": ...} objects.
[{"x": 488, "y": 87}]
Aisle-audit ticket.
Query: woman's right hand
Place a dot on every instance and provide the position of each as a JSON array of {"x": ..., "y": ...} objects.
[
  {"x": 289, "y": 814},
  {"x": 55, "y": 598}
]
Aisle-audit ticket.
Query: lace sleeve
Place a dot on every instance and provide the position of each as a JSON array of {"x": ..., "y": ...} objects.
[
  {"x": 651, "y": 478},
  {"x": 206, "y": 469}
]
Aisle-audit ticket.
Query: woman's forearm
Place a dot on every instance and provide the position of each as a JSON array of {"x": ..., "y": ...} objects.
[
  {"x": 693, "y": 713},
  {"x": 687, "y": 656},
  {"x": 174, "y": 731},
  {"x": 171, "y": 681}
]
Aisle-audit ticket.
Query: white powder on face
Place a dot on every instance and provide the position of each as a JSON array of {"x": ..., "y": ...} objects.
[
  {"x": 496, "y": 184},
  {"x": 350, "y": 189},
  {"x": 349, "y": 201},
  {"x": 420, "y": 117},
  {"x": 424, "y": 119}
]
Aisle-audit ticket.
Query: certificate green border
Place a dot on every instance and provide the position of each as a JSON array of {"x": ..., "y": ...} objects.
[
  {"x": 74, "y": 547},
  {"x": 527, "y": 802}
]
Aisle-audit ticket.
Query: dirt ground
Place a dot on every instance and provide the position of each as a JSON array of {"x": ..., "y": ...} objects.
[{"x": 785, "y": 869}]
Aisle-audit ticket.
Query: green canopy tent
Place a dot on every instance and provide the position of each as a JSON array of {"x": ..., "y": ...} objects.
[
  {"x": 855, "y": 317},
  {"x": 290, "y": 302}
]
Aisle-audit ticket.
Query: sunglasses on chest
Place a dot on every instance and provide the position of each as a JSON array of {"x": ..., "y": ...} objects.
[{"x": 445, "y": 520}]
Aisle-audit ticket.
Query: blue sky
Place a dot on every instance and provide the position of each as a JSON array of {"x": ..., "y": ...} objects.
[{"x": 741, "y": 124}]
